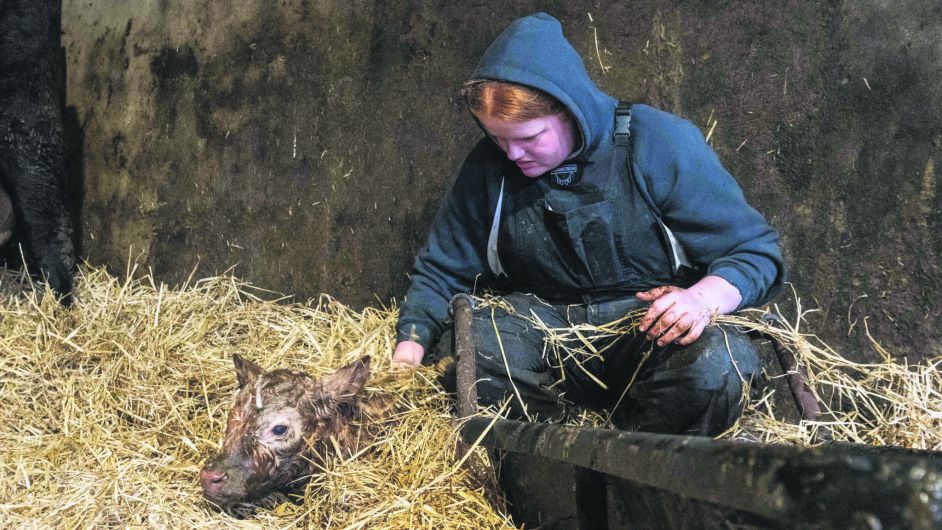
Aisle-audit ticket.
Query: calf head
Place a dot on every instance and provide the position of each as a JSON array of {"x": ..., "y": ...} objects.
[{"x": 280, "y": 421}]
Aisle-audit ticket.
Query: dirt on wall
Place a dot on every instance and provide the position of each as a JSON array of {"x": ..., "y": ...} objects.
[{"x": 307, "y": 143}]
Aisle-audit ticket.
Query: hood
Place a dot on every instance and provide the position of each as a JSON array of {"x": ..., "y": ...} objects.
[{"x": 532, "y": 51}]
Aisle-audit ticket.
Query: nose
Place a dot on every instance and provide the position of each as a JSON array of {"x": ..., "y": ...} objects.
[
  {"x": 212, "y": 480},
  {"x": 514, "y": 152}
]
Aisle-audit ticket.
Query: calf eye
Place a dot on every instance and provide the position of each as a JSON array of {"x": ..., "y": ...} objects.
[{"x": 279, "y": 430}]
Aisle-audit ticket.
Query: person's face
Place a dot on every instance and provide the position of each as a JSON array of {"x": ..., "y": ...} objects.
[{"x": 536, "y": 146}]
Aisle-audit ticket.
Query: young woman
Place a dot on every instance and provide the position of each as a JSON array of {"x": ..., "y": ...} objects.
[{"x": 580, "y": 217}]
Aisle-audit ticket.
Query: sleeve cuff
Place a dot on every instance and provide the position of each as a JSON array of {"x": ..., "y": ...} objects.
[
  {"x": 416, "y": 333},
  {"x": 740, "y": 281}
]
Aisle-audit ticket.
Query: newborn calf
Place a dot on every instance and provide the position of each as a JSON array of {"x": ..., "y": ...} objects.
[{"x": 280, "y": 422}]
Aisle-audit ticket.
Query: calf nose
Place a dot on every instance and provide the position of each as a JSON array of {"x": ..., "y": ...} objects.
[{"x": 212, "y": 480}]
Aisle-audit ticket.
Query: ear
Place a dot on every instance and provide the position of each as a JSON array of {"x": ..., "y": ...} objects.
[
  {"x": 246, "y": 371},
  {"x": 346, "y": 383}
]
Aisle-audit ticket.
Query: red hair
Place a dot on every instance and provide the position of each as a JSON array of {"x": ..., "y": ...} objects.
[{"x": 509, "y": 101}]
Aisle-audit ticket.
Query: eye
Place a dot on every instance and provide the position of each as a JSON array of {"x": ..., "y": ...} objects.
[{"x": 279, "y": 430}]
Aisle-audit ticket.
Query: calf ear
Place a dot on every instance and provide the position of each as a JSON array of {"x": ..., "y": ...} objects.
[
  {"x": 246, "y": 371},
  {"x": 347, "y": 382}
]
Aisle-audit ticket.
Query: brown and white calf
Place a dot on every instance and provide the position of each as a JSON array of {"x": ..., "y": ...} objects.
[{"x": 280, "y": 425}]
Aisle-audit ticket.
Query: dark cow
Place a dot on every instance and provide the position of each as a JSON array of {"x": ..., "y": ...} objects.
[{"x": 32, "y": 73}]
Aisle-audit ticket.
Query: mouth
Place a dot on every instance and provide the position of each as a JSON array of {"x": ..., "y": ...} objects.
[
  {"x": 220, "y": 501},
  {"x": 244, "y": 507},
  {"x": 240, "y": 508}
]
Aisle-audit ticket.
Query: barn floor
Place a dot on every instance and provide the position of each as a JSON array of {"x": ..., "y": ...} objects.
[{"x": 112, "y": 406}]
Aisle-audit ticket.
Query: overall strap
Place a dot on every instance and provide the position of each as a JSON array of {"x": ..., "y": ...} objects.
[{"x": 622, "y": 135}]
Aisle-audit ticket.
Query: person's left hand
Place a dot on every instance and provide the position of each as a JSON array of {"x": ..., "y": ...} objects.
[
  {"x": 676, "y": 314},
  {"x": 408, "y": 354}
]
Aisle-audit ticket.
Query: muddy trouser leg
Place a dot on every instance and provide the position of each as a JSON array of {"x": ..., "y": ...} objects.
[
  {"x": 510, "y": 357},
  {"x": 696, "y": 389}
]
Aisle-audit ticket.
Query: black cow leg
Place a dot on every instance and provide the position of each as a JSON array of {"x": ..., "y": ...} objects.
[
  {"x": 31, "y": 139},
  {"x": 7, "y": 219}
]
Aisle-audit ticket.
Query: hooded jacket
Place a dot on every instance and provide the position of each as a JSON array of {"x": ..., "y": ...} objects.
[{"x": 589, "y": 229}]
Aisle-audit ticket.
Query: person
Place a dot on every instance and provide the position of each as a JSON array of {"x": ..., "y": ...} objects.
[{"x": 580, "y": 210}]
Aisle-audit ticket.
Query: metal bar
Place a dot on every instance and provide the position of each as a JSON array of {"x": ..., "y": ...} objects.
[
  {"x": 834, "y": 484},
  {"x": 795, "y": 375},
  {"x": 466, "y": 372}
]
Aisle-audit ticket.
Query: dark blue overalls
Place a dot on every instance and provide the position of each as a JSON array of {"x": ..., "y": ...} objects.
[{"x": 557, "y": 236}]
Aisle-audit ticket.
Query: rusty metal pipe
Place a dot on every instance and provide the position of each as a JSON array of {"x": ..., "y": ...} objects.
[
  {"x": 795, "y": 375},
  {"x": 461, "y": 306}
]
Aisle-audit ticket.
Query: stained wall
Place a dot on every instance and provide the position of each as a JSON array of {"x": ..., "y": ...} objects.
[{"x": 306, "y": 143}]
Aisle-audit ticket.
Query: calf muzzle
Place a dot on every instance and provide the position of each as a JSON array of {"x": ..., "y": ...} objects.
[{"x": 212, "y": 481}]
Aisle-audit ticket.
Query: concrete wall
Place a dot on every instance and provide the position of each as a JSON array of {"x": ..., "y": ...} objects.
[{"x": 307, "y": 142}]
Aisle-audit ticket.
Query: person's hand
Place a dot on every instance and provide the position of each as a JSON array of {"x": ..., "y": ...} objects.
[
  {"x": 408, "y": 355},
  {"x": 679, "y": 315}
]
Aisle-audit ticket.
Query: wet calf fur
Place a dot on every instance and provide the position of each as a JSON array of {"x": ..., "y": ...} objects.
[{"x": 280, "y": 424}]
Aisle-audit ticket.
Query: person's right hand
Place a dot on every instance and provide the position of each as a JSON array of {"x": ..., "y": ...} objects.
[{"x": 408, "y": 354}]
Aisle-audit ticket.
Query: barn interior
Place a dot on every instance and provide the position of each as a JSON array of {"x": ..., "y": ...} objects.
[{"x": 217, "y": 156}]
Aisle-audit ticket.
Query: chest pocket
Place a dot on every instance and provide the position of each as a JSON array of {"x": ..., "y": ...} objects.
[{"x": 588, "y": 231}]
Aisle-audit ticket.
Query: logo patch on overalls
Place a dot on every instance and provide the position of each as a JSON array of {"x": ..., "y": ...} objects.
[{"x": 566, "y": 175}]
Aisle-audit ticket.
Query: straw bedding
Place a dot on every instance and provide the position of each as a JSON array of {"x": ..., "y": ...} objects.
[
  {"x": 885, "y": 403},
  {"x": 110, "y": 408}
]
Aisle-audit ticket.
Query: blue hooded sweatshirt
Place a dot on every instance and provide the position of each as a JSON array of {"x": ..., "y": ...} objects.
[{"x": 590, "y": 229}]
